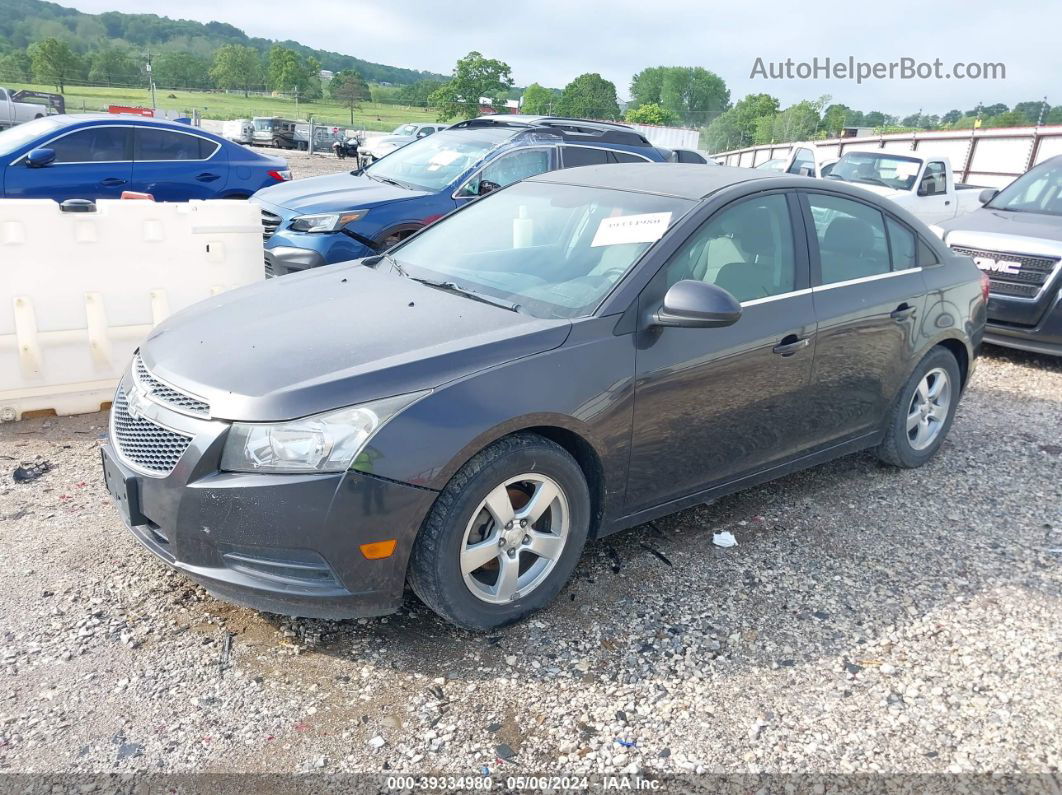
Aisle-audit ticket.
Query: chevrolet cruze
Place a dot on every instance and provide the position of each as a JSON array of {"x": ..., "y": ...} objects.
[{"x": 570, "y": 356}]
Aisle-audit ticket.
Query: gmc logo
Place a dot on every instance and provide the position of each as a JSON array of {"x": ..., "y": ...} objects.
[{"x": 998, "y": 265}]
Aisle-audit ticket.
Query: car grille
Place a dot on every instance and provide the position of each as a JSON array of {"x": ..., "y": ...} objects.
[
  {"x": 144, "y": 444},
  {"x": 1029, "y": 276},
  {"x": 163, "y": 393},
  {"x": 269, "y": 268},
  {"x": 270, "y": 224}
]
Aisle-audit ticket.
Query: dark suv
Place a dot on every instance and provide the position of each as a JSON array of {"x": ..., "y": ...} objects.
[
  {"x": 345, "y": 216},
  {"x": 576, "y": 354}
]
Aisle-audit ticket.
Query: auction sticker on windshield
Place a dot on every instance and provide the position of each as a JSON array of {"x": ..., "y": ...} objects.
[{"x": 643, "y": 228}]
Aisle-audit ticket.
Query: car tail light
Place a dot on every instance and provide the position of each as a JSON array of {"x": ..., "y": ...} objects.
[
  {"x": 986, "y": 285},
  {"x": 283, "y": 175}
]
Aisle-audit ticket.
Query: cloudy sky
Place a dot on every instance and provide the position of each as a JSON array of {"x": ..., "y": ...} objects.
[{"x": 551, "y": 41}]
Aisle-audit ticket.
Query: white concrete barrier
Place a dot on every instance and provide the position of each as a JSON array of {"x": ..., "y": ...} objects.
[{"x": 79, "y": 291}]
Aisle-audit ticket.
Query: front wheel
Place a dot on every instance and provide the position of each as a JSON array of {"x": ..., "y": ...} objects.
[
  {"x": 504, "y": 535},
  {"x": 923, "y": 411}
]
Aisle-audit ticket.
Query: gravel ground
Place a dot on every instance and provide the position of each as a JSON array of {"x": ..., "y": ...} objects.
[
  {"x": 303, "y": 164},
  {"x": 868, "y": 620}
]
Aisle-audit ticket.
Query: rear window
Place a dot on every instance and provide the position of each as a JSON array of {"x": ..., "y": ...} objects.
[
  {"x": 583, "y": 156},
  {"x": 155, "y": 144}
]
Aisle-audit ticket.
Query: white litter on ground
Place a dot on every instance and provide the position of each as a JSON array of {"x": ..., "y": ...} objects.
[{"x": 724, "y": 539}]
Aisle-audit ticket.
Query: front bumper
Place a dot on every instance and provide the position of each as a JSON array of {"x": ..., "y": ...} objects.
[
  {"x": 1044, "y": 337},
  {"x": 292, "y": 252},
  {"x": 286, "y": 544}
]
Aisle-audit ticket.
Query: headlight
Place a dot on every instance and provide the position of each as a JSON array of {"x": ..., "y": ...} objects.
[
  {"x": 322, "y": 443},
  {"x": 328, "y": 222},
  {"x": 938, "y": 231}
]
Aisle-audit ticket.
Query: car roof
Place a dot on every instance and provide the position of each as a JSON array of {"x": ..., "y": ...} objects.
[
  {"x": 569, "y": 129},
  {"x": 124, "y": 118},
  {"x": 684, "y": 180}
]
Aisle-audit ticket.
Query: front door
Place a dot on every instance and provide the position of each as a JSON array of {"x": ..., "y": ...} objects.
[
  {"x": 90, "y": 163},
  {"x": 713, "y": 404},
  {"x": 869, "y": 298}
]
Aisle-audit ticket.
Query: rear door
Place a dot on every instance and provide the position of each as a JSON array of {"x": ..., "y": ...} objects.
[
  {"x": 90, "y": 163},
  {"x": 869, "y": 298},
  {"x": 712, "y": 404},
  {"x": 177, "y": 166}
]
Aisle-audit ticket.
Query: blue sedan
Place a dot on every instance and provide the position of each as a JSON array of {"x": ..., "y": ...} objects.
[{"x": 99, "y": 157}]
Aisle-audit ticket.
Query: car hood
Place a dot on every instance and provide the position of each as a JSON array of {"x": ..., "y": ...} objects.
[
  {"x": 1006, "y": 222},
  {"x": 390, "y": 139},
  {"x": 334, "y": 337},
  {"x": 333, "y": 193}
]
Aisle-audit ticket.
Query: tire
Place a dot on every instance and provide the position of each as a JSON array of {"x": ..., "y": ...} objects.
[
  {"x": 461, "y": 530},
  {"x": 907, "y": 443}
]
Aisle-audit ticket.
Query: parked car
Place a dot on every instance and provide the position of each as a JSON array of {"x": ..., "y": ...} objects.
[
  {"x": 576, "y": 354},
  {"x": 1016, "y": 238},
  {"x": 344, "y": 216},
  {"x": 100, "y": 157},
  {"x": 803, "y": 159},
  {"x": 274, "y": 131},
  {"x": 14, "y": 109},
  {"x": 923, "y": 184},
  {"x": 240, "y": 131},
  {"x": 403, "y": 134}
]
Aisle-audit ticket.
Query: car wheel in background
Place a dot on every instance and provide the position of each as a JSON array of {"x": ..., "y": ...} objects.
[
  {"x": 923, "y": 411},
  {"x": 504, "y": 535}
]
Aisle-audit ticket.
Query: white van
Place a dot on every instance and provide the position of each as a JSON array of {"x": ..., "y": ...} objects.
[{"x": 239, "y": 130}]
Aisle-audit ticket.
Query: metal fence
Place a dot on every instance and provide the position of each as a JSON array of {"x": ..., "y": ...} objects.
[{"x": 992, "y": 157}]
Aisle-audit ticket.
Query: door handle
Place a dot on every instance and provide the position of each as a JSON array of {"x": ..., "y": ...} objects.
[
  {"x": 206, "y": 176},
  {"x": 947, "y": 202},
  {"x": 112, "y": 182},
  {"x": 790, "y": 344},
  {"x": 902, "y": 312}
]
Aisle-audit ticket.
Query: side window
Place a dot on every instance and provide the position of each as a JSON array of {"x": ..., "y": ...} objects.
[
  {"x": 93, "y": 145},
  {"x": 934, "y": 180},
  {"x": 583, "y": 156},
  {"x": 926, "y": 256},
  {"x": 509, "y": 168},
  {"x": 902, "y": 243},
  {"x": 826, "y": 170},
  {"x": 803, "y": 159},
  {"x": 746, "y": 248},
  {"x": 615, "y": 156},
  {"x": 155, "y": 144},
  {"x": 851, "y": 238}
]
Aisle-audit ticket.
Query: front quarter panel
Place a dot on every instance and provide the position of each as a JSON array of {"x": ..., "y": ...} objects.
[{"x": 584, "y": 387}]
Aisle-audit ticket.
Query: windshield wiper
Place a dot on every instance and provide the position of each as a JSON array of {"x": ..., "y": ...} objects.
[
  {"x": 388, "y": 180},
  {"x": 453, "y": 287}
]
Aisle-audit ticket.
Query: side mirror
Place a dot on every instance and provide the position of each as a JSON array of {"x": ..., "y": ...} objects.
[
  {"x": 486, "y": 186},
  {"x": 695, "y": 304},
  {"x": 924, "y": 188},
  {"x": 806, "y": 171},
  {"x": 38, "y": 158},
  {"x": 987, "y": 195}
]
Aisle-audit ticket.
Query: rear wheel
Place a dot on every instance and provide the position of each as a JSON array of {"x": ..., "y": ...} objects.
[
  {"x": 923, "y": 411},
  {"x": 504, "y": 535}
]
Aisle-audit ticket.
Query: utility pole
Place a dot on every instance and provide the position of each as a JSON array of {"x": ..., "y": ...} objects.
[
  {"x": 1043, "y": 111},
  {"x": 151, "y": 81}
]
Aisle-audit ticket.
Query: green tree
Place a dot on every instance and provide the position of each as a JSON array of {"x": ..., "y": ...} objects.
[
  {"x": 181, "y": 70},
  {"x": 692, "y": 93},
  {"x": 993, "y": 110},
  {"x": 589, "y": 96},
  {"x": 113, "y": 65},
  {"x": 537, "y": 100},
  {"x": 349, "y": 88},
  {"x": 834, "y": 119},
  {"x": 1010, "y": 118},
  {"x": 16, "y": 66},
  {"x": 951, "y": 117},
  {"x": 285, "y": 71},
  {"x": 650, "y": 113},
  {"x": 238, "y": 67},
  {"x": 874, "y": 119},
  {"x": 1032, "y": 109},
  {"x": 474, "y": 77},
  {"x": 54, "y": 62},
  {"x": 1054, "y": 116},
  {"x": 736, "y": 127},
  {"x": 417, "y": 93}
]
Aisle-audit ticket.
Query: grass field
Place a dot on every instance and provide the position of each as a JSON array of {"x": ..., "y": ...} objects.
[{"x": 371, "y": 115}]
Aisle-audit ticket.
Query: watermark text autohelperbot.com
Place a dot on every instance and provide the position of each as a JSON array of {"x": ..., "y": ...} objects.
[{"x": 852, "y": 69}]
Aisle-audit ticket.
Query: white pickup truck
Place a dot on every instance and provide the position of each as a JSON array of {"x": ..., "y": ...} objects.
[
  {"x": 922, "y": 184},
  {"x": 13, "y": 112}
]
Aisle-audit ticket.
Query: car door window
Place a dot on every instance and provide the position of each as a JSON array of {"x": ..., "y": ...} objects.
[
  {"x": 934, "y": 180},
  {"x": 626, "y": 157},
  {"x": 583, "y": 156},
  {"x": 509, "y": 168},
  {"x": 745, "y": 248},
  {"x": 153, "y": 145},
  {"x": 92, "y": 145},
  {"x": 803, "y": 159},
  {"x": 902, "y": 245},
  {"x": 851, "y": 236}
]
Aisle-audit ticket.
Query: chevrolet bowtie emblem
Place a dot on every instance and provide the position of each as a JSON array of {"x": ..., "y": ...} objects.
[{"x": 136, "y": 403}]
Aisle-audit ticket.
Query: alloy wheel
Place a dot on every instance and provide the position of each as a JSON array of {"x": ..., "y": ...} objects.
[{"x": 929, "y": 409}]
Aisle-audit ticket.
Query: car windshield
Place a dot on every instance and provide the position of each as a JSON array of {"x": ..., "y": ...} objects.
[
  {"x": 772, "y": 165},
  {"x": 16, "y": 137},
  {"x": 405, "y": 129},
  {"x": 1036, "y": 191},
  {"x": 870, "y": 168},
  {"x": 264, "y": 125},
  {"x": 433, "y": 162},
  {"x": 553, "y": 250}
]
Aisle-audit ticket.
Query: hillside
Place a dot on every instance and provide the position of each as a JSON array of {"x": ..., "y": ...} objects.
[{"x": 23, "y": 22}]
